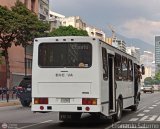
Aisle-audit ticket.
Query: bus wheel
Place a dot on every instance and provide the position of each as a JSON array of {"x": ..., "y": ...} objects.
[{"x": 118, "y": 114}]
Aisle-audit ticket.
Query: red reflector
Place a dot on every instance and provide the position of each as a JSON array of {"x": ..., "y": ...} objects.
[
  {"x": 41, "y": 107},
  {"x": 87, "y": 108}
]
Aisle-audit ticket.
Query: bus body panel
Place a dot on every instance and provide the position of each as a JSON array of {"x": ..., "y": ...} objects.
[{"x": 73, "y": 83}]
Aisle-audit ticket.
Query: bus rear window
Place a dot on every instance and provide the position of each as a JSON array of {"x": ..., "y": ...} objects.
[{"x": 73, "y": 55}]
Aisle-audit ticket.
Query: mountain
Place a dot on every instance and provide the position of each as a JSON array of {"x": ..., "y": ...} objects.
[{"x": 144, "y": 46}]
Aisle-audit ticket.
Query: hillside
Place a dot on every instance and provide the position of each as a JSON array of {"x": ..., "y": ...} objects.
[{"x": 144, "y": 46}]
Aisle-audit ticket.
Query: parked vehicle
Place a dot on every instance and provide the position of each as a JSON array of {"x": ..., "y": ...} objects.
[
  {"x": 148, "y": 88},
  {"x": 24, "y": 91}
]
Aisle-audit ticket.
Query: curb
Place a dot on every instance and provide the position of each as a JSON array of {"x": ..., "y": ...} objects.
[{"x": 10, "y": 103}]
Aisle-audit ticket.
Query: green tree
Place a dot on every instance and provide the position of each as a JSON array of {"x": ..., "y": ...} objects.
[
  {"x": 68, "y": 31},
  {"x": 18, "y": 26},
  {"x": 148, "y": 80},
  {"x": 8, "y": 33},
  {"x": 30, "y": 26},
  {"x": 157, "y": 78}
]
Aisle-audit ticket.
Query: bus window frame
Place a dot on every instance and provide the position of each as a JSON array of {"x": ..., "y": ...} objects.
[
  {"x": 118, "y": 68},
  {"x": 65, "y": 66},
  {"x": 105, "y": 64}
]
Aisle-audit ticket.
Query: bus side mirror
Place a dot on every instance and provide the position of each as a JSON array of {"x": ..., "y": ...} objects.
[{"x": 143, "y": 70}]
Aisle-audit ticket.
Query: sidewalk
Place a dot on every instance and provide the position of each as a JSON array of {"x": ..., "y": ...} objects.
[{"x": 14, "y": 102}]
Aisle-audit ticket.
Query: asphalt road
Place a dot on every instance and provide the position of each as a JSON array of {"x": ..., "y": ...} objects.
[{"x": 148, "y": 113}]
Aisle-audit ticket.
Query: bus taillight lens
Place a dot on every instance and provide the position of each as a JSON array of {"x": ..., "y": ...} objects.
[
  {"x": 40, "y": 100},
  {"x": 89, "y": 101}
]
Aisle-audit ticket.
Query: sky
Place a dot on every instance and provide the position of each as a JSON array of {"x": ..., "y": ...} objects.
[{"x": 130, "y": 18}]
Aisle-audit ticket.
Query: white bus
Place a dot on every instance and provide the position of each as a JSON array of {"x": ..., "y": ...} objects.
[{"x": 78, "y": 74}]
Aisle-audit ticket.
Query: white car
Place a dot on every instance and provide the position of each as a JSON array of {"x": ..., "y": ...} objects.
[{"x": 148, "y": 88}]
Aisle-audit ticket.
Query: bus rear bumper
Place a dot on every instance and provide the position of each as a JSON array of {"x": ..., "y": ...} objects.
[{"x": 66, "y": 108}]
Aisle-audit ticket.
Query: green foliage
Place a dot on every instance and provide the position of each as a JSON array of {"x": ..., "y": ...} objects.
[
  {"x": 68, "y": 31},
  {"x": 8, "y": 27},
  {"x": 157, "y": 76},
  {"x": 148, "y": 80},
  {"x": 29, "y": 25},
  {"x": 18, "y": 26}
]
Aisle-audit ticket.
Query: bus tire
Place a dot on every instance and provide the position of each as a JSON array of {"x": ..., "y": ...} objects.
[{"x": 118, "y": 114}]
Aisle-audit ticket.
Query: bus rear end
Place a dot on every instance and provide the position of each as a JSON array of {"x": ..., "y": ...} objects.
[{"x": 65, "y": 76}]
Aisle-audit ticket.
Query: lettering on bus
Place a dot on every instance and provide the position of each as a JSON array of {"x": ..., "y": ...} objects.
[
  {"x": 64, "y": 75},
  {"x": 79, "y": 47}
]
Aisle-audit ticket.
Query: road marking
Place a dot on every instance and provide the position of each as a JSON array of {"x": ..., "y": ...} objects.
[
  {"x": 133, "y": 119},
  {"x": 154, "y": 105},
  {"x": 158, "y": 119},
  {"x": 140, "y": 115},
  {"x": 148, "y": 118},
  {"x": 146, "y": 110},
  {"x": 35, "y": 124},
  {"x": 141, "y": 109},
  {"x": 158, "y": 103},
  {"x": 155, "y": 100},
  {"x": 151, "y": 107}
]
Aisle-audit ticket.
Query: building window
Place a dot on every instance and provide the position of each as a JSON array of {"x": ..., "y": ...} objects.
[
  {"x": 33, "y": 5},
  {"x": 29, "y": 63},
  {"x": 42, "y": 17},
  {"x": 46, "y": 11}
]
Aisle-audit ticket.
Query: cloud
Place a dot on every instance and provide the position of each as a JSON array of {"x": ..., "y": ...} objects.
[{"x": 141, "y": 28}]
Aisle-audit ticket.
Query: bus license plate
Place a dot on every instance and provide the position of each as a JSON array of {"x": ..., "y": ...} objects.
[{"x": 65, "y": 100}]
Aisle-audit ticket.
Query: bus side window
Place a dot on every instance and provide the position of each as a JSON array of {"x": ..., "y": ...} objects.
[
  {"x": 130, "y": 70},
  {"x": 124, "y": 68},
  {"x": 105, "y": 66},
  {"x": 118, "y": 68}
]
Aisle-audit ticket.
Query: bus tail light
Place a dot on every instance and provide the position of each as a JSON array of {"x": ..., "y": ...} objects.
[
  {"x": 40, "y": 100},
  {"x": 89, "y": 101}
]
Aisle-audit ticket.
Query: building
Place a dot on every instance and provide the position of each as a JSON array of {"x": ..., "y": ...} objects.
[
  {"x": 157, "y": 53},
  {"x": 134, "y": 52},
  {"x": 147, "y": 59},
  {"x": 95, "y": 32},
  {"x": 40, "y": 7},
  {"x": 17, "y": 54},
  {"x": 55, "y": 19},
  {"x": 109, "y": 40},
  {"x": 118, "y": 43},
  {"x": 43, "y": 10},
  {"x": 74, "y": 21}
]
